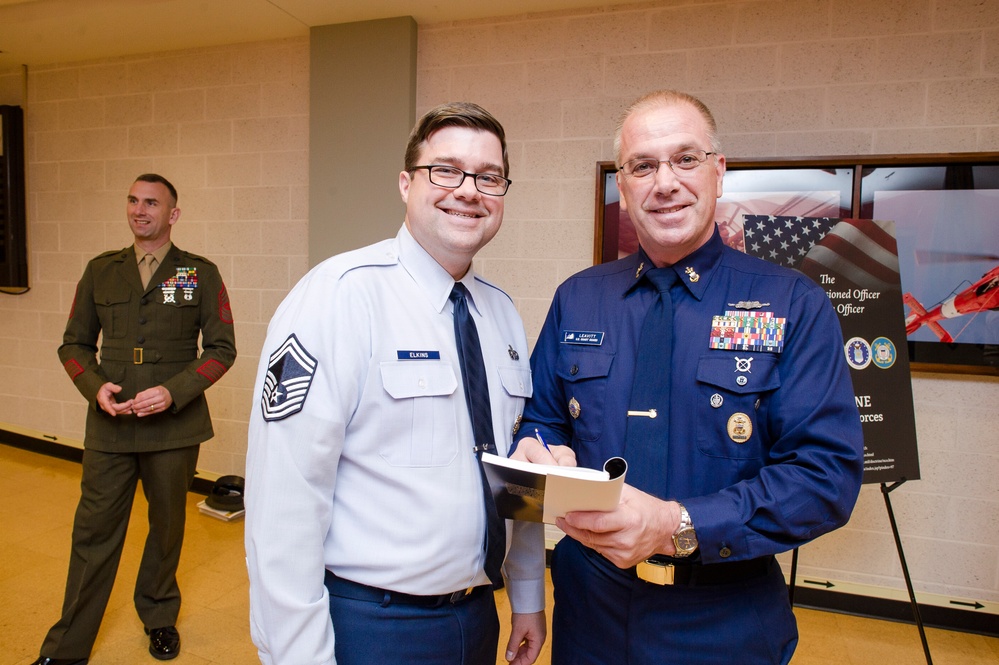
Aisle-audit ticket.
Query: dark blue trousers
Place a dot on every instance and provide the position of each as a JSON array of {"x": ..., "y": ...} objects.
[
  {"x": 370, "y": 632},
  {"x": 604, "y": 615}
]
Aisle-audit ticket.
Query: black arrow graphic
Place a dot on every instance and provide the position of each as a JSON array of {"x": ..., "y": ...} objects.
[
  {"x": 976, "y": 605},
  {"x": 827, "y": 585}
]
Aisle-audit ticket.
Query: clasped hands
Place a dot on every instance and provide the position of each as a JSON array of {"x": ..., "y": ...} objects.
[
  {"x": 146, "y": 403},
  {"x": 638, "y": 528}
]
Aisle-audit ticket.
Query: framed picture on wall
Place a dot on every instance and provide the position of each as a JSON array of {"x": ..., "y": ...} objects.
[
  {"x": 946, "y": 214},
  {"x": 947, "y": 225}
]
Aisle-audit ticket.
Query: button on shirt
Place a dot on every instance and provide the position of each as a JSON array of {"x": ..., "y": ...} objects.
[
  {"x": 376, "y": 478},
  {"x": 798, "y": 473}
]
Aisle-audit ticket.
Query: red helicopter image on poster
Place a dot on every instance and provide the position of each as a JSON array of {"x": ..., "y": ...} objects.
[{"x": 981, "y": 296}]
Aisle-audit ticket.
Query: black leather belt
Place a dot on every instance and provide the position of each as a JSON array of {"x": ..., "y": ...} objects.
[
  {"x": 347, "y": 589},
  {"x": 663, "y": 570}
]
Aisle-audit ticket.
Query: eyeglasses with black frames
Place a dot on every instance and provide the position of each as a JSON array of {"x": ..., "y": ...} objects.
[
  {"x": 682, "y": 163},
  {"x": 451, "y": 177}
]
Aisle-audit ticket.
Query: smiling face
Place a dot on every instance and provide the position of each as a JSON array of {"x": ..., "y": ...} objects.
[
  {"x": 673, "y": 215},
  {"x": 454, "y": 224},
  {"x": 151, "y": 214}
]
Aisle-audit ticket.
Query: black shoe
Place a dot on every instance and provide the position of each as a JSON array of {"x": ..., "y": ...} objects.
[
  {"x": 164, "y": 643},
  {"x": 45, "y": 660}
]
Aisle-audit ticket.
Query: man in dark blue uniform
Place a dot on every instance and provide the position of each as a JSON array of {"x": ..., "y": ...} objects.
[{"x": 721, "y": 379}]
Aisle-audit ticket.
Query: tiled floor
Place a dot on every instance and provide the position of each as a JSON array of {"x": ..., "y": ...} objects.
[{"x": 38, "y": 495}]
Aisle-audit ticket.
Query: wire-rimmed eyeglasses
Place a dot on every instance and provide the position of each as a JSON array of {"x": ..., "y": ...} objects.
[
  {"x": 681, "y": 163},
  {"x": 451, "y": 177}
]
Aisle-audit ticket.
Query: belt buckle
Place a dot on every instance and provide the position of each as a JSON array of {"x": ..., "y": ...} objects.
[
  {"x": 460, "y": 595},
  {"x": 655, "y": 572},
  {"x": 137, "y": 355}
]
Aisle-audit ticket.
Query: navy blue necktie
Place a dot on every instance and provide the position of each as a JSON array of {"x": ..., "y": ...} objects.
[
  {"x": 473, "y": 377},
  {"x": 646, "y": 442}
]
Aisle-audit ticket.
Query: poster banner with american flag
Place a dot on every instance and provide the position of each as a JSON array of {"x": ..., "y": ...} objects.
[{"x": 856, "y": 262}]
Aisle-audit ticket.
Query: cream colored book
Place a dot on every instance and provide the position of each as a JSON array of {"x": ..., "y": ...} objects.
[{"x": 543, "y": 492}]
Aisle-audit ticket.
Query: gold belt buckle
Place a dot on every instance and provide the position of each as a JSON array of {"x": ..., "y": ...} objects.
[
  {"x": 137, "y": 355},
  {"x": 655, "y": 572}
]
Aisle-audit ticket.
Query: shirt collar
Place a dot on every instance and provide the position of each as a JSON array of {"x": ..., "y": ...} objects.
[
  {"x": 159, "y": 254},
  {"x": 693, "y": 271},
  {"x": 435, "y": 282}
]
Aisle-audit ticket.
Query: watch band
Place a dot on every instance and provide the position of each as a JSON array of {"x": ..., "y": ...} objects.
[{"x": 685, "y": 538}]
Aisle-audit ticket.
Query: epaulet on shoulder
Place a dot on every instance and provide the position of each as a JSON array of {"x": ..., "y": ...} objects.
[
  {"x": 371, "y": 256},
  {"x": 604, "y": 269},
  {"x": 486, "y": 282},
  {"x": 112, "y": 252},
  {"x": 196, "y": 257},
  {"x": 741, "y": 259}
]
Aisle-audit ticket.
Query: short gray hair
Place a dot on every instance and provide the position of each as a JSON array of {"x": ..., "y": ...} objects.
[{"x": 665, "y": 98}]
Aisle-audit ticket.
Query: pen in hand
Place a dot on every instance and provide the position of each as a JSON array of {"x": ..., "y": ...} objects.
[{"x": 537, "y": 435}]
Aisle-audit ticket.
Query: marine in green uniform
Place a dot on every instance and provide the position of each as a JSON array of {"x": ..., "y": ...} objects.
[{"x": 149, "y": 303}]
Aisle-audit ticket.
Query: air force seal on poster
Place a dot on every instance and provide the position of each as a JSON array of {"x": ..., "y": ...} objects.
[
  {"x": 289, "y": 376},
  {"x": 858, "y": 352}
]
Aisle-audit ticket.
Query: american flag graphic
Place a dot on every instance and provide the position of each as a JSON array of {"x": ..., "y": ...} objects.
[
  {"x": 863, "y": 251},
  {"x": 782, "y": 239}
]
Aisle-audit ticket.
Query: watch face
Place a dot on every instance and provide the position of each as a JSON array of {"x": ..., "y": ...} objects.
[{"x": 685, "y": 540}]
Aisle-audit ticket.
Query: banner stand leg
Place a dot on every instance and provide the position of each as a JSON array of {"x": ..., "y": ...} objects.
[
  {"x": 885, "y": 489},
  {"x": 794, "y": 573}
]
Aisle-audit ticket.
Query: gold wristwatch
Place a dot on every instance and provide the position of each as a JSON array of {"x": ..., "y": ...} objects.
[{"x": 684, "y": 539}]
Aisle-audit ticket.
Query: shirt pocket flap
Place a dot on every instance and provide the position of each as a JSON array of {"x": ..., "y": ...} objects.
[
  {"x": 752, "y": 374},
  {"x": 418, "y": 379},
  {"x": 113, "y": 295},
  {"x": 516, "y": 381},
  {"x": 578, "y": 365}
]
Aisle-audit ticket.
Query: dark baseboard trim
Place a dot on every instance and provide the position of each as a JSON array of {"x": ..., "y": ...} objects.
[
  {"x": 869, "y": 607},
  {"x": 933, "y": 616},
  {"x": 45, "y": 446},
  {"x": 73, "y": 454}
]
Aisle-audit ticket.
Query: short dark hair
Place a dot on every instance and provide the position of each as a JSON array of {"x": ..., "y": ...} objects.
[
  {"x": 664, "y": 98},
  {"x": 155, "y": 177},
  {"x": 454, "y": 114}
]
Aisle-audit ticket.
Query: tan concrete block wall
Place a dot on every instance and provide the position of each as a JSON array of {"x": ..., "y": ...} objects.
[
  {"x": 783, "y": 78},
  {"x": 229, "y": 127}
]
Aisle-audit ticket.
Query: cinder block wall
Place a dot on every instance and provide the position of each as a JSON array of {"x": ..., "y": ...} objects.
[
  {"x": 784, "y": 78},
  {"x": 229, "y": 127}
]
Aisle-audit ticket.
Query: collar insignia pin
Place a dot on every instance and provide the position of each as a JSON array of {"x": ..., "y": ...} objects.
[
  {"x": 638, "y": 272},
  {"x": 691, "y": 274}
]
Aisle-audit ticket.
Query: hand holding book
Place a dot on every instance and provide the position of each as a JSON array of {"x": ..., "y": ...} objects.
[{"x": 544, "y": 492}]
